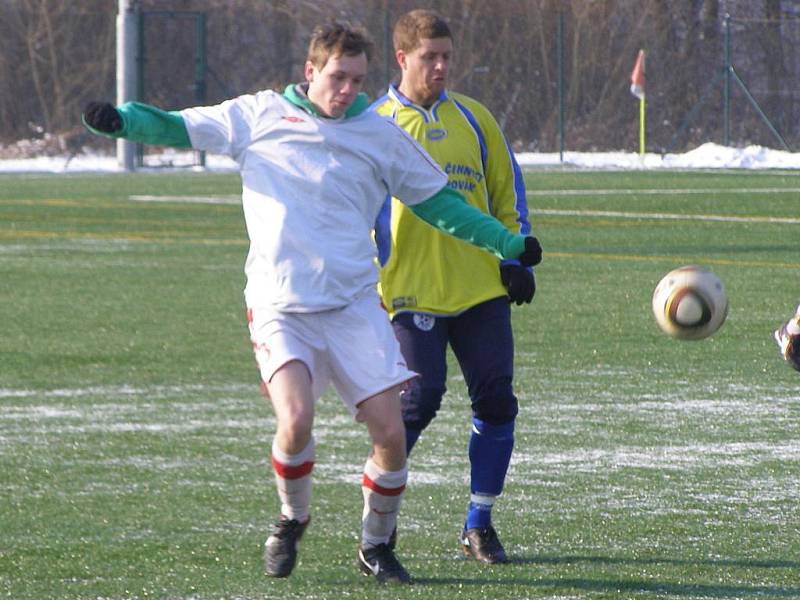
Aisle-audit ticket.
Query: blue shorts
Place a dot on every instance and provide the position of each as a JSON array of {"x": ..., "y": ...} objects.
[{"x": 483, "y": 343}]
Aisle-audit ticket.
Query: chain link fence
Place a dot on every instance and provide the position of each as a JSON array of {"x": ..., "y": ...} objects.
[{"x": 56, "y": 56}]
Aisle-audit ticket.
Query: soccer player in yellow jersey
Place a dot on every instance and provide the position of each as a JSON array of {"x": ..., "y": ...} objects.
[{"x": 440, "y": 291}]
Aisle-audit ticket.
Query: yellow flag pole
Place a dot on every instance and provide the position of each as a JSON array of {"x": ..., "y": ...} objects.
[{"x": 641, "y": 126}]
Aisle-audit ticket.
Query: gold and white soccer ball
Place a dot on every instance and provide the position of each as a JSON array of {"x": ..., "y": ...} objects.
[{"x": 690, "y": 303}]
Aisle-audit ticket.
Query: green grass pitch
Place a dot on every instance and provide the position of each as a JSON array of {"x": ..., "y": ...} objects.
[{"x": 134, "y": 442}]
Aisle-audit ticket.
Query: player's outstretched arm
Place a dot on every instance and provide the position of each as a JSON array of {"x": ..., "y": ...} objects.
[
  {"x": 137, "y": 122},
  {"x": 447, "y": 211}
]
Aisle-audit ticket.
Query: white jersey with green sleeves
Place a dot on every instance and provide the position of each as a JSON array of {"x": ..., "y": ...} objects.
[{"x": 312, "y": 189}]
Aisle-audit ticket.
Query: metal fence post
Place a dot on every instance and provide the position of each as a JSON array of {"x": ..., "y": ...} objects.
[
  {"x": 560, "y": 59},
  {"x": 200, "y": 73},
  {"x": 127, "y": 80},
  {"x": 726, "y": 92}
]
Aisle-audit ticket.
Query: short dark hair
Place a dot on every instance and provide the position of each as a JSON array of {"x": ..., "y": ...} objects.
[
  {"x": 419, "y": 24},
  {"x": 335, "y": 39}
]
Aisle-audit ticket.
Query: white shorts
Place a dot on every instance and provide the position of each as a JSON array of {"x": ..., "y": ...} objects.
[{"x": 353, "y": 347}]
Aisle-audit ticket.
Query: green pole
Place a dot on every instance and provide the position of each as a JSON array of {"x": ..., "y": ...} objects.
[
  {"x": 726, "y": 92},
  {"x": 758, "y": 110},
  {"x": 560, "y": 52},
  {"x": 200, "y": 68},
  {"x": 387, "y": 43},
  {"x": 200, "y": 59}
]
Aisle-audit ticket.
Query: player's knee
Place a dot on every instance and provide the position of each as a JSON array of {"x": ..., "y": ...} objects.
[
  {"x": 296, "y": 424},
  {"x": 420, "y": 405},
  {"x": 497, "y": 413},
  {"x": 391, "y": 436},
  {"x": 293, "y": 439},
  {"x": 496, "y": 403}
]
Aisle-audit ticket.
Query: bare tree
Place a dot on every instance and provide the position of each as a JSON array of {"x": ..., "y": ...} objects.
[{"x": 55, "y": 56}]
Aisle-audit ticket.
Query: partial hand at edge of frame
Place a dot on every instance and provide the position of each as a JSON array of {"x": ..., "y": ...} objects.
[
  {"x": 102, "y": 116},
  {"x": 532, "y": 255}
]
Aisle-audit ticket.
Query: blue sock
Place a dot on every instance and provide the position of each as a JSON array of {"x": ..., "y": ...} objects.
[
  {"x": 412, "y": 435},
  {"x": 490, "y": 449}
]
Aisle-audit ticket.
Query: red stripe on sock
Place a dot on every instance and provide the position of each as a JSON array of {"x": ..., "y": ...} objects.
[
  {"x": 292, "y": 472},
  {"x": 379, "y": 489}
]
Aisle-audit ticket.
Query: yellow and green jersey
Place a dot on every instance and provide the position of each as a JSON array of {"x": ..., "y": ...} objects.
[{"x": 422, "y": 269}]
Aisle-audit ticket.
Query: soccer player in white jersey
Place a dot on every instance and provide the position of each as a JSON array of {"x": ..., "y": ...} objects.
[
  {"x": 316, "y": 168},
  {"x": 441, "y": 292}
]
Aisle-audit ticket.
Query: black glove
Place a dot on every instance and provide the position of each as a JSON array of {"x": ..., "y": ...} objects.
[
  {"x": 533, "y": 252},
  {"x": 519, "y": 282},
  {"x": 103, "y": 117}
]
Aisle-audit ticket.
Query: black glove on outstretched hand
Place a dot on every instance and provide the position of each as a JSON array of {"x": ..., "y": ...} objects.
[
  {"x": 519, "y": 283},
  {"x": 533, "y": 252},
  {"x": 104, "y": 117}
]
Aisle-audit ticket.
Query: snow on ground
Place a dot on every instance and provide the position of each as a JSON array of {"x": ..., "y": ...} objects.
[{"x": 707, "y": 156}]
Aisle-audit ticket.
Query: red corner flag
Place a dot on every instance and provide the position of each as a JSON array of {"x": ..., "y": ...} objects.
[{"x": 637, "y": 77}]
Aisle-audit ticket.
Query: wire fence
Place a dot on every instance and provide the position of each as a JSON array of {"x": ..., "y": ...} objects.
[{"x": 554, "y": 74}]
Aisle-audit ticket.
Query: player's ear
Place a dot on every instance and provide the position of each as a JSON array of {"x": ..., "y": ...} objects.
[
  {"x": 400, "y": 56},
  {"x": 309, "y": 71}
]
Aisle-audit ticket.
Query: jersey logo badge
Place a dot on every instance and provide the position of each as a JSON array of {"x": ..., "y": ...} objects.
[
  {"x": 293, "y": 119},
  {"x": 403, "y": 302},
  {"x": 424, "y": 322},
  {"x": 435, "y": 135}
]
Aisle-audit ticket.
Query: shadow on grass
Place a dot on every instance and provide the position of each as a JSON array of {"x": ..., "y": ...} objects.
[
  {"x": 692, "y": 590},
  {"x": 609, "y": 560},
  {"x": 624, "y": 585}
]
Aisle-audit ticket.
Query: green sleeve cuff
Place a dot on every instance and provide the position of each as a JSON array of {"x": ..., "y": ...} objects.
[
  {"x": 448, "y": 211},
  {"x": 147, "y": 124},
  {"x": 515, "y": 247}
]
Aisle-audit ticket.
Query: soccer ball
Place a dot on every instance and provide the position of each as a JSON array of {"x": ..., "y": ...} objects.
[{"x": 690, "y": 303}]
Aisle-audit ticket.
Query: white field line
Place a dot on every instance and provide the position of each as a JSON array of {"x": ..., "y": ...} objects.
[
  {"x": 123, "y": 391},
  {"x": 662, "y": 192},
  {"x": 188, "y": 199},
  {"x": 679, "y": 457},
  {"x": 664, "y": 216},
  {"x": 233, "y": 200}
]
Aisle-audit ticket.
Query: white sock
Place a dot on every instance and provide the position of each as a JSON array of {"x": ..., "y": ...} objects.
[
  {"x": 293, "y": 479},
  {"x": 383, "y": 492}
]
